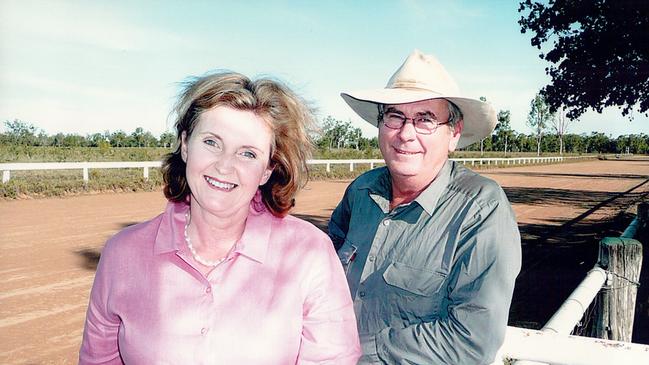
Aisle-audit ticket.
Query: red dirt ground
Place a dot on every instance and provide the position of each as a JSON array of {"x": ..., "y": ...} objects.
[{"x": 50, "y": 247}]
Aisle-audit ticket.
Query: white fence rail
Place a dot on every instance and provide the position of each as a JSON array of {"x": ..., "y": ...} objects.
[
  {"x": 6, "y": 168},
  {"x": 562, "y": 349}
]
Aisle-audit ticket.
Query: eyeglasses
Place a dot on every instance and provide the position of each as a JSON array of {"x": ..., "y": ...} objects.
[{"x": 423, "y": 124}]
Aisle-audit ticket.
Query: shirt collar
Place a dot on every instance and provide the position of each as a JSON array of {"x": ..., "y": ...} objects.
[
  {"x": 381, "y": 189},
  {"x": 253, "y": 243},
  {"x": 172, "y": 228},
  {"x": 428, "y": 198},
  {"x": 256, "y": 235}
]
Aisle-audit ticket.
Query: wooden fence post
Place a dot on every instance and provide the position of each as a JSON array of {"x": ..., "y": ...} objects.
[{"x": 622, "y": 258}]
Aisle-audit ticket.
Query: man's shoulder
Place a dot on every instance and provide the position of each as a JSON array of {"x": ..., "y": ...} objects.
[
  {"x": 370, "y": 179},
  {"x": 474, "y": 185}
]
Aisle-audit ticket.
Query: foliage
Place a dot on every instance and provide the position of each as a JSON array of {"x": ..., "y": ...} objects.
[
  {"x": 25, "y": 134},
  {"x": 538, "y": 119},
  {"x": 560, "y": 126},
  {"x": 503, "y": 132},
  {"x": 599, "y": 54},
  {"x": 335, "y": 133}
]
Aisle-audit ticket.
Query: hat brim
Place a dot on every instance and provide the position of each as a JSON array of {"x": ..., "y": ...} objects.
[{"x": 479, "y": 117}]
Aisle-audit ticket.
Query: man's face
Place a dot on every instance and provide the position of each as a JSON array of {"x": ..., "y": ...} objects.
[{"x": 414, "y": 156}]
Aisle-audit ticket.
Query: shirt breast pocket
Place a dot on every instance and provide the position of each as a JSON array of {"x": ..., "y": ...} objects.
[
  {"x": 417, "y": 293},
  {"x": 347, "y": 254}
]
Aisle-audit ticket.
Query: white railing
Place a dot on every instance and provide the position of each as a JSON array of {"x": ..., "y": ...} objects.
[
  {"x": 553, "y": 344},
  {"x": 6, "y": 168},
  {"x": 562, "y": 349}
]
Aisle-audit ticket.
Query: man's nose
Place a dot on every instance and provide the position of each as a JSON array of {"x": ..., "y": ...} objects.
[{"x": 407, "y": 131}]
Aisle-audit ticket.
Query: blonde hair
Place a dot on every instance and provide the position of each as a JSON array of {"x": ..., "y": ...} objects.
[{"x": 288, "y": 116}]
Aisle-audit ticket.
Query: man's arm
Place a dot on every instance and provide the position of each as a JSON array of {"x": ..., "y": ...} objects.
[
  {"x": 480, "y": 289},
  {"x": 339, "y": 221}
]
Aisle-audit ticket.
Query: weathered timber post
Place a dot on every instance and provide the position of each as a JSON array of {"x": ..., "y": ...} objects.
[{"x": 622, "y": 258}]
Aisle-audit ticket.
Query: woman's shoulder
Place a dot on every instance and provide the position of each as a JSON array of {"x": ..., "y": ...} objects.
[
  {"x": 134, "y": 237},
  {"x": 302, "y": 231}
]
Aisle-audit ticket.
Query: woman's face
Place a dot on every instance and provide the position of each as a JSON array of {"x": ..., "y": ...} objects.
[{"x": 227, "y": 158}]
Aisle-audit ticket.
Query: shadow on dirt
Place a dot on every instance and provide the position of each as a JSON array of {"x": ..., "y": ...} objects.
[{"x": 90, "y": 258}]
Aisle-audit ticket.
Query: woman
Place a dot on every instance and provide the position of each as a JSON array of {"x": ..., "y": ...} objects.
[{"x": 224, "y": 275}]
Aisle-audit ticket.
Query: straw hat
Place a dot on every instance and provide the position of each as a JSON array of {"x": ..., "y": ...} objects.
[{"x": 422, "y": 77}]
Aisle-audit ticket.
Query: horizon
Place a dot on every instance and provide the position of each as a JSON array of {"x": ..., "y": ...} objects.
[{"x": 81, "y": 68}]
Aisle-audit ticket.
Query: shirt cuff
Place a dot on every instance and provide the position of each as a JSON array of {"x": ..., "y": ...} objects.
[{"x": 368, "y": 345}]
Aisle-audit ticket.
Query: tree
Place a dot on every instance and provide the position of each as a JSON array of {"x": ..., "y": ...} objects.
[
  {"x": 335, "y": 133},
  {"x": 20, "y": 132},
  {"x": 482, "y": 141},
  {"x": 599, "y": 142},
  {"x": 167, "y": 139},
  {"x": 503, "y": 130},
  {"x": 560, "y": 125},
  {"x": 600, "y": 52},
  {"x": 538, "y": 119},
  {"x": 118, "y": 139}
]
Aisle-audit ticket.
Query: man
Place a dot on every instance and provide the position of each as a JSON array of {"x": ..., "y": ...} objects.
[{"x": 431, "y": 249}]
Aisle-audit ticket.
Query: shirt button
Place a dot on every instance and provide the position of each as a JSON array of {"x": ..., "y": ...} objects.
[
  {"x": 203, "y": 331},
  {"x": 362, "y": 294},
  {"x": 372, "y": 258},
  {"x": 208, "y": 289},
  {"x": 386, "y": 222}
]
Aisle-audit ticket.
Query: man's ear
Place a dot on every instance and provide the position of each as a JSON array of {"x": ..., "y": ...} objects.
[
  {"x": 455, "y": 135},
  {"x": 183, "y": 146}
]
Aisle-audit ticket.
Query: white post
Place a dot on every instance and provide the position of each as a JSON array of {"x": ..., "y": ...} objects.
[
  {"x": 351, "y": 166},
  {"x": 371, "y": 165},
  {"x": 6, "y": 175},
  {"x": 146, "y": 173},
  {"x": 85, "y": 174},
  {"x": 328, "y": 167}
]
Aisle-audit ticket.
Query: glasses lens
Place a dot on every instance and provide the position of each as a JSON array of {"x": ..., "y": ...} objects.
[
  {"x": 394, "y": 121},
  {"x": 425, "y": 125}
]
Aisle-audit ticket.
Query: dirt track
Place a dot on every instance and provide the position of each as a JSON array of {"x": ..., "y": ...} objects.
[{"x": 49, "y": 247}]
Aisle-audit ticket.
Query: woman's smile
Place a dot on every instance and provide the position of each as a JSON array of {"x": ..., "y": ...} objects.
[{"x": 221, "y": 185}]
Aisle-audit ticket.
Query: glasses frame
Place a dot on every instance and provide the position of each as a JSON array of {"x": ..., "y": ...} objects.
[{"x": 414, "y": 124}]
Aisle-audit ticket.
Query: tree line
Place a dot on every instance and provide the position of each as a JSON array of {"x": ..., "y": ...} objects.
[
  {"x": 549, "y": 135},
  {"x": 335, "y": 134},
  {"x": 21, "y": 133}
]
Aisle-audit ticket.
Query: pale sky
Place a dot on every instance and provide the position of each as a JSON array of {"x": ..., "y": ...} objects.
[{"x": 90, "y": 66}]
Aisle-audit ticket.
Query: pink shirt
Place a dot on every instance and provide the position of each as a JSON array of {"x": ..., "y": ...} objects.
[{"x": 280, "y": 297}]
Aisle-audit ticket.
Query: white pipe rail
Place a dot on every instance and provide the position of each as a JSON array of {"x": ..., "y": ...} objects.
[
  {"x": 6, "y": 168},
  {"x": 564, "y": 320},
  {"x": 562, "y": 349},
  {"x": 568, "y": 315}
]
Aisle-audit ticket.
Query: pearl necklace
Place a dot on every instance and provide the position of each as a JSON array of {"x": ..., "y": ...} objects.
[{"x": 195, "y": 254}]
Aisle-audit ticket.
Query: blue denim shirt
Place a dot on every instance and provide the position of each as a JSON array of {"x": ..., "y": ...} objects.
[{"x": 431, "y": 280}]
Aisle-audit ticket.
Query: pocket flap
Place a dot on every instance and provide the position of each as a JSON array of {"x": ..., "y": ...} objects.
[{"x": 417, "y": 281}]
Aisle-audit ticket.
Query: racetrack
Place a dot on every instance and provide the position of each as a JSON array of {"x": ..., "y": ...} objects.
[{"x": 50, "y": 247}]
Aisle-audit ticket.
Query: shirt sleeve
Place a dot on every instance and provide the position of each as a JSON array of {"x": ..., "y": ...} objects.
[
  {"x": 339, "y": 221},
  {"x": 329, "y": 333},
  {"x": 99, "y": 344},
  {"x": 481, "y": 283}
]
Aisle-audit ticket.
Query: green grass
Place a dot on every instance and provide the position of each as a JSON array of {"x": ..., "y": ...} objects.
[
  {"x": 79, "y": 154},
  {"x": 50, "y": 183}
]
